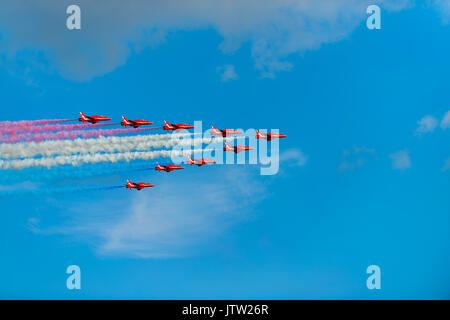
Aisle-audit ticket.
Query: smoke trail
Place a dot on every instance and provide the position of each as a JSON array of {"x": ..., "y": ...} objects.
[
  {"x": 32, "y": 122},
  {"x": 78, "y": 160},
  {"x": 92, "y": 145},
  {"x": 8, "y": 177},
  {"x": 48, "y": 191},
  {"x": 50, "y": 127},
  {"x": 70, "y": 134}
]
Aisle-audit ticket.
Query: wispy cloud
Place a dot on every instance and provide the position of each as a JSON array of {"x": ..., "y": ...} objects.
[
  {"x": 446, "y": 166},
  {"x": 173, "y": 219},
  {"x": 293, "y": 157},
  {"x": 18, "y": 186},
  {"x": 430, "y": 123},
  {"x": 356, "y": 158},
  {"x": 400, "y": 160},
  {"x": 227, "y": 73},
  {"x": 444, "y": 8},
  {"x": 274, "y": 29},
  {"x": 426, "y": 124},
  {"x": 445, "y": 122}
]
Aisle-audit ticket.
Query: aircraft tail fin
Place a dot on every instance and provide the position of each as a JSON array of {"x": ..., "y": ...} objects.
[
  {"x": 215, "y": 130},
  {"x": 82, "y": 117},
  {"x": 259, "y": 134}
]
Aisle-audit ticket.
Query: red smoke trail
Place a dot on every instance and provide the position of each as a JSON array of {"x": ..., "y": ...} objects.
[
  {"x": 32, "y": 122},
  {"x": 49, "y": 127},
  {"x": 69, "y": 134}
]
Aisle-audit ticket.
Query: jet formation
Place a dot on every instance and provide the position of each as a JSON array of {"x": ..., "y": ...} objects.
[
  {"x": 168, "y": 167},
  {"x": 134, "y": 123},
  {"x": 199, "y": 162},
  {"x": 269, "y": 136},
  {"x": 92, "y": 119},
  {"x": 223, "y": 132},
  {"x": 236, "y": 149},
  {"x": 176, "y": 127},
  {"x": 138, "y": 185}
]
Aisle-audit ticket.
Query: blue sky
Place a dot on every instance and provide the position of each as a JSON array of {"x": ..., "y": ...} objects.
[{"x": 373, "y": 188}]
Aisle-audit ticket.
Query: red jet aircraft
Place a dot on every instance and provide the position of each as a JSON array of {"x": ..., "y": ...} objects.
[
  {"x": 138, "y": 185},
  {"x": 134, "y": 123},
  {"x": 178, "y": 126},
  {"x": 168, "y": 167},
  {"x": 223, "y": 132},
  {"x": 269, "y": 136},
  {"x": 199, "y": 162},
  {"x": 236, "y": 149},
  {"x": 92, "y": 119}
]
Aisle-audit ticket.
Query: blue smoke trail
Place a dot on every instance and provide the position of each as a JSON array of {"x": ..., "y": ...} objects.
[
  {"x": 69, "y": 172},
  {"x": 49, "y": 191}
]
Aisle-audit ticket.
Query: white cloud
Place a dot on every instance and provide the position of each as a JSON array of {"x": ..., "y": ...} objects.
[
  {"x": 445, "y": 122},
  {"x": 26, "y": 185},
  {"x": 182, "y": 213},
  {"x": 227, "y": 73},
  {"x": 444, "y": 8},
  {"x": 426, "y": 124},
  {"x": 35, "y": 32},
  {"x": 356, "y": 158},
  {"x": 294, "y": 157},
  {"x": 400, "y": 160},
  {"x": 446, "y": 166}
]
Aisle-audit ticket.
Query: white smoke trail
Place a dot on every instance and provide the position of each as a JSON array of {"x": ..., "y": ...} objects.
[
  {"x": 65, "y": 147},
  {"x": 102, "y": 144},
  {"x": 78, "y": 160}
]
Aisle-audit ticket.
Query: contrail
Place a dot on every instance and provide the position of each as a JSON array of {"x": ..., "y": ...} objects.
[
  {"x": 24, "y": 123},
  {"x": 78, "y": 160},
  {"x": 70, "y": 134},
  {"x": 45, "y": 191},
  {"x": 50, "y": 127},
  {"x": 47, "y": 148},
  {"x": 93, "y": 145},
  {"x": 69, "y": 172}
]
